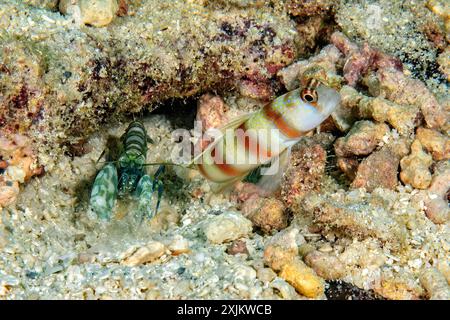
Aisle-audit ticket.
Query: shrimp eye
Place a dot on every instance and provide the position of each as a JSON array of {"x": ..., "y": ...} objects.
[{"x": 309, "y": 96}]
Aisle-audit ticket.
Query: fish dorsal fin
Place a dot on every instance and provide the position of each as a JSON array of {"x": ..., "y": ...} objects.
[{"x": 236, "y": 122}]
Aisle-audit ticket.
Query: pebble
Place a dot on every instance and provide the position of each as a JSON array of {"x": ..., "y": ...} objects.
[
  {"x": 415, "y": 167},
  {"x": 286, "y": 290},
  {"x": 265, "y": 274},
  {"x": 97, "y": 13},
  {"x": 268, "y": 214},
  {"x": 244, "y": 273},
  {"x": 148, "y": 253},
  {"x": 435, "y": 284},
  {"x": 179, "y": 245},
  {"x": 226, "y": 227},
  {"x": 302, "y": 278},
  {"x": 237, "y": 247},
  {"x": 434, "y": 142},
  {"x": 326, "y": 265}
]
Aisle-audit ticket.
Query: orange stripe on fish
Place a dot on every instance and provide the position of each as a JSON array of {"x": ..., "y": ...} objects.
[
  {"x": 226, "y": 168},
  {"x": 260, "y": 150},
  {"x": 203, "y": 171},
  {"x": 280, "y": 122}
]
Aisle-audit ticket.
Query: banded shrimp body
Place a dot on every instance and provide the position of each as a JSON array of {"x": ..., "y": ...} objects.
[{"x": 126, "y": 177}]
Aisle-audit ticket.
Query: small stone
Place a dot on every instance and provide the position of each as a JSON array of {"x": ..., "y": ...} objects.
[
  {"x": 435, "y": 143},
  {"x": 399, "y": 288},
  {"x": 302, "y": 278},
  {"x": 8, "y": 192},
  {"x": 379, "y": 170},
  {"x": 435, "y": 284},
  {"x": 148, "y": 253},
  {"x": 362, "y": 139},
  {"x": 348, "y": 166},
  {"x": 268, "y": 214},
  {"x": 282, "y": 248},
  {"x": 211, "y": 111},
  {"x": 86, "y": 258},
  {"x": 228, "y": 226},
  {"x": 265, "y": 274},
  {"x": 237, "y": 247},
  {"x": 178, "y": 245},
  {"x": 326, "y": 265},
  {"x": 244, "y": 273},
  {"x": 415, "y": 167},
  {"x": 97, "y": 13},
  {"x": 285, "y": 289}
]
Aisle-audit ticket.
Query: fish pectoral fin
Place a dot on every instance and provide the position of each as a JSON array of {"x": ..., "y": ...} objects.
[{"x": 271, "y": 180}]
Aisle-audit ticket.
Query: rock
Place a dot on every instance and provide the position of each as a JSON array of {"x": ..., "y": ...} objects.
[
  {"x": 98, "y": 13},
  {"x": 148, "y": 253},
  {"x": 434, "y": 142},
  {"x": 444, "y": 60},
  {"x": 348, "y": 166},
  {"x": 360, "y": 60},
  {"x": 237, "y": 247},
  {"x": 243, "y": 273},
  {"x": 404, "y": 287},
  {"x": 327, "y": 59},
  {"x": 302, "y": 278},
  {"x": 8, "y": 192},
  {"x": 286, "y": 291},
  {"x": 415, "y": 167},
  {"x": 276, "y": 256},
  {"x": 304, "y": 172},
  {"x": 351, "y": 216},
  {"x": 211, "y": 112},
  {"x": 282, "y": 248},
  {"x": 228, "y": 226},
  {"x": 404, "y": 118},
  {"x": 265, "y": 274},
  {"x": 44, "y": 4},
  {"x": 67, "y": 96},
  {"x": 255, "y": 90},
  {"x": 380, "y": 169},
  {"x": 395, "y": 86},
  {"x": 435, "y": 284},
  {"x": 178, "y": 245},
  {"x": 268, "y": 214},
  {"x": 326, "y": 265},
  {"x": 435, "y": 198},
  {"x": 362, "y": 139},
  {"x": 365, "y": 254}
]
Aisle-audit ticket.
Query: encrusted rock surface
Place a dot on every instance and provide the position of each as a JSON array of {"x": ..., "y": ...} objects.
[{"x": 415, "y": 167}]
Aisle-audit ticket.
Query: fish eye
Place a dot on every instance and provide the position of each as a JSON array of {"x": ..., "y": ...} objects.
[{"x": 309, "y": 96}]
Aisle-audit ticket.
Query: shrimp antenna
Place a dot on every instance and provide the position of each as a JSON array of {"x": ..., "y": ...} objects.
[{"x": 168, "y": 164}]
